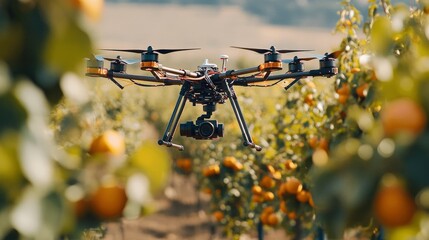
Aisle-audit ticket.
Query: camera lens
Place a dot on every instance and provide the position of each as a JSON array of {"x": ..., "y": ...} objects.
[
  {"x": 219, "y": 131},
  {"x": 187, "y": 129},
  {"x": 206, "y": 129}
]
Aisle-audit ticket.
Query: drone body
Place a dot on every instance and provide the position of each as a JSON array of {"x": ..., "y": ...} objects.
[{"x": 208, "y": 85}]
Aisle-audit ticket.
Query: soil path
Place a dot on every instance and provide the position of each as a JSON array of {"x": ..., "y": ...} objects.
[{"x": 182, "y": 215}]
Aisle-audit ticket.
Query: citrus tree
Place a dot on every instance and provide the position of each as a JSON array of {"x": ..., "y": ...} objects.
[
  {"x": 272, "y": 189},
  {"x": 345, "y": 154},
  {"x": 114, "y": 165},
  {"x": 37, "y": 49},
  {"x": 67, "y": 162},
  {"x": 374, "y": 176}
]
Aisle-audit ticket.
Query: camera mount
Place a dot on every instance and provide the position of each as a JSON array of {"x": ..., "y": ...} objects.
[{"x": 203, "y": 129}]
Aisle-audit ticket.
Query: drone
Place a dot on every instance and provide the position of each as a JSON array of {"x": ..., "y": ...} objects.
[{"x": 209, "y": 85}]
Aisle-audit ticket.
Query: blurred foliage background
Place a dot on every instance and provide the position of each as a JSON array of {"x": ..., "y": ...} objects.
[
  {"x": 67, "y": 161},
  {"x": 341, "y": 153}
]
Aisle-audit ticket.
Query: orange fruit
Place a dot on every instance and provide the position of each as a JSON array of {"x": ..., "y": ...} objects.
[
  {"x": 313, "y": 142},
  {"x": 393, "y": 206},
  {"x": 206, "y": 190},
  {"x": 343, "y": 98},
  {"x": 238, "y": 166},
  {"x": 273, "y": 219},
  {"x": 403, "y": 115},
  {"x": 290, "y": 165},
  {"x": 108, "y": 201},
  {"x": 268, "y": 209},
  {"x": 206, "y": 172},
  {"x": 109, "y": 142},
  {"x": 258, "y": 198},
  {"x": 293, "y": 185},
  {"x": 355, "y": 70},
  {"x": 185, "y": 164},
  {"x": 229, "y": 162},
  {"x": 324, "y": 144},
  {"x": 362, "y": 90},
  {"x": 218, "y": 215},
  {"x": 309, "y": 99},
  {"x": 256, "y": 189},
  {"x": 211, "y": 170},
  {"x": 268, "y": 196},
  {"x": 267, "y": 182},
  {"x": 282, "y": 190},
  {"x": 277, "y": 175},
  {"x": 215, "y": 169},
  {"x": 302, "y": 196},
  {"x": 292, "y": 215},
  {"x": 264, "y": 217},
  {"x": 344, "y": 89},
  {"x": 265, "y": 214},
  {"x": 271, "y": 169}
]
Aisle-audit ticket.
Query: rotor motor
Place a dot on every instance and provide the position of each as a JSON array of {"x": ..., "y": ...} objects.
[
  {"x": 296, "y": 66},
  {"x": 117, "y": 66},
  {"x": 327, "y": 63}
]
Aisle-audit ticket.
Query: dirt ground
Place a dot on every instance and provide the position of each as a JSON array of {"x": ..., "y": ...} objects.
[{"x": 182, "y": 215}]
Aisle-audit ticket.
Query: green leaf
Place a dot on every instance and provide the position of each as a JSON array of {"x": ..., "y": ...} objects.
[
  {"x": 154, "y": 162},
  {"x": 67, "y": 47},
  {"x": 381, "y": 36}
]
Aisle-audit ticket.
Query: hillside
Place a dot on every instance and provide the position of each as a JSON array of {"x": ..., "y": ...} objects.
[
  {"x": 298, "y": 13},
  {"x": 214, "y": 29}
]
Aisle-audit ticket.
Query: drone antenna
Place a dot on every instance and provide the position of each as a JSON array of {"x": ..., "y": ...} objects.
[{"x": 224, "y": 61}]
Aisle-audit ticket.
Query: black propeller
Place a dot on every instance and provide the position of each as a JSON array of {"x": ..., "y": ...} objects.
[
  {"x": 272, "y": 49},
  {"x": 334, "y": 55},
  {"x": 118, "y": 59},
  {"x": 151, "y": 50},
  {"x": 326, "y": 56},
  {"x": 297, "y": 59}
]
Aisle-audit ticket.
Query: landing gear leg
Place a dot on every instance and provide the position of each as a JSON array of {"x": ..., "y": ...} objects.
[
  {"x": 174, "y": 120},
  {"x": 240, "y": 119}
]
